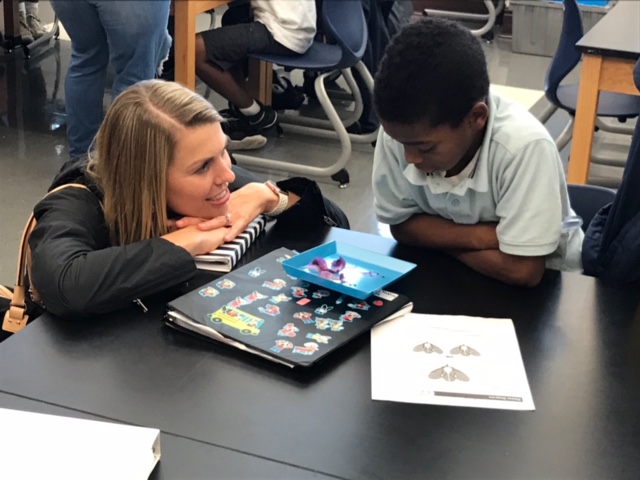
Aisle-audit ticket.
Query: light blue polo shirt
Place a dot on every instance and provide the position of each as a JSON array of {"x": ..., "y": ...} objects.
[{"x": 516, "y": 179}]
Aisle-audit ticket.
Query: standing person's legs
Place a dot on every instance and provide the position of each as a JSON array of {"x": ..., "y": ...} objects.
[
  {"x": 33, "y": 19},
  {"x": 84, "y": 84},
  {"x": 25, "y": 33},
  {"x": 138, "y": 38}
]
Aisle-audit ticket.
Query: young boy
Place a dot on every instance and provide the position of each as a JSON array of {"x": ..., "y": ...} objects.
[
  {"x": 460, "y": 169},
  {"x": 280, "y": 27}
]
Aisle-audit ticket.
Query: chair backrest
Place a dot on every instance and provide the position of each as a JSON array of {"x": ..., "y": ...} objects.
[
  {"x": 345, "y": 25},
  {"x": 586, "y": 200},
  {"x": 567, "y": 55}
]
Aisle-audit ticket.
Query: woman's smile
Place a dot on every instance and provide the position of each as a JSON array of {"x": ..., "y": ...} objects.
[{"x": 221, "y": 198}]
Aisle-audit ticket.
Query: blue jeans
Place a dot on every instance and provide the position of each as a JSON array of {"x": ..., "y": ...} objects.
[{"x": 130, "y": 34}]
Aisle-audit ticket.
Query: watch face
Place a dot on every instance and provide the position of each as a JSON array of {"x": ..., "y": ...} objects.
[
  {"x": 272, "y": 186},
  {"x": 283, "y": 200}
]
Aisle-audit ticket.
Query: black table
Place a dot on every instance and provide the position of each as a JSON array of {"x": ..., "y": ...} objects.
[
  {"x": 610, "y": 51},
  {"x": 617, "y": 34},
  {"x": 580, "y": 341},
  {"x": 181, "y": 458}
]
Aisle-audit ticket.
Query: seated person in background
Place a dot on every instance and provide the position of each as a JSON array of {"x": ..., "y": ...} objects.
[
  {"x": 280, "y": 27},
  {"x": 161, "y": 190},
  {"x": 460, "y": 169}
]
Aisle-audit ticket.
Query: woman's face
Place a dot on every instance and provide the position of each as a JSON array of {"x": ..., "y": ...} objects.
[{"x": 199, "y": 177}]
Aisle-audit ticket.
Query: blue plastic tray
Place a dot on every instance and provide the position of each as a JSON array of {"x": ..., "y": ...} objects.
[{"x": 364, "y": 273}]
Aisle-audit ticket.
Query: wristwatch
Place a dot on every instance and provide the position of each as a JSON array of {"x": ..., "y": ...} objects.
[{"x": 283, "y": 200}]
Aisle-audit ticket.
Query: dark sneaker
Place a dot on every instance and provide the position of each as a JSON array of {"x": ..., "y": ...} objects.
[
  {"x": 35, "y": 26},
  {"x": 261, "y": 121},
  {"x": 284, "y": 96},
  {"x": 25, "y": 33},
  {"x": 238, "y": 126},
  {"x": 234, "y": 128}
]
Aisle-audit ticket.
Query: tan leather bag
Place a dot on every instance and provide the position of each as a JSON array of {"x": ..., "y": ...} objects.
[{"x": 16, "y": 317}]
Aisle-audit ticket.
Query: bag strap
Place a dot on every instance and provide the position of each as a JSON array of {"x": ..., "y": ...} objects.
[{"x": 16, "y": 316}]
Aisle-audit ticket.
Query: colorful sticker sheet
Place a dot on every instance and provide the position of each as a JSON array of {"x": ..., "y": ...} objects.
[{"x": 263, "y": 307}]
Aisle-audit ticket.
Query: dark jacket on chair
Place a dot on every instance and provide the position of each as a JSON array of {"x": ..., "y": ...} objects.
[{"x": 611, "y": 247}]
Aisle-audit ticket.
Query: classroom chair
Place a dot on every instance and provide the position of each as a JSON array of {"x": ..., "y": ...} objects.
[
  {"x": 486, "y": 31},
  {"x": 346, "y": 31},
  {"x": 565, "y": 96},
  {"x": 587, "y": 200}
]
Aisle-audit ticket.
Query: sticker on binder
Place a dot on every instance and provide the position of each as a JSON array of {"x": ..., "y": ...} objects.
[
  {"x": 236, "y": 302},
  {"x": 289, "y": 330},
  {"x": 383, "y": 294},
  {"x": 309, "y": 348},
  {"x": 359, "y": 305},
  {"x": 209, "y": 292},
  {"x": 281, "y": 345},
  {"x": 243, "y": 321},
  {"x": 304, "y": 316},
  {"x": 348, "y": 316},
  {"x": 322, "y": 309},
  {"x": 256, "y": 272},
  {"x": 253, "y": 296},
  {"x": 322, "y": 323},
  {"x": 275, "y": 284},
  {"x": 319, "y": 338},
  {"x": 283, "y": 258},
  {"x": 269, "y": 309},
  {"x": 225, "y": 284},
  {"x": 336, "y": 325},
  {"x": 279, "y": 298},
  {"x": 299, "y": 292}
]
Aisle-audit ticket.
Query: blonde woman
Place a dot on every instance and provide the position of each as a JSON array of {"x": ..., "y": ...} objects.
[{"x": 161, "y": 190}]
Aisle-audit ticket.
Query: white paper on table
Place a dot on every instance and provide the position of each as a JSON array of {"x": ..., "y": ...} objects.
[
  {"x": 34, "y": 445},
  {"x": 449, "y": 360}
]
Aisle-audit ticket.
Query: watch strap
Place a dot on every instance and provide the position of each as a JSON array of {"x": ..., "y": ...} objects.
[{"x": 283, "y": 200}]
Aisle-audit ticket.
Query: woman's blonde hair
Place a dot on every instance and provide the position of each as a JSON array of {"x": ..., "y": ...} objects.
[{"x": 133, "y": 149}]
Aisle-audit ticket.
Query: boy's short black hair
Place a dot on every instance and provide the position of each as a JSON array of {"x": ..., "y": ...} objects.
[{"x": 433, "y": 71}]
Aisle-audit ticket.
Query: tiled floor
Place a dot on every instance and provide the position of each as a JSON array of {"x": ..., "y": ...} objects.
[{"x": 33, "y": 145}]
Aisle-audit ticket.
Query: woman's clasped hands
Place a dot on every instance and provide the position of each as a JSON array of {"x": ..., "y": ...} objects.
[{"x": 202, "y": 235}]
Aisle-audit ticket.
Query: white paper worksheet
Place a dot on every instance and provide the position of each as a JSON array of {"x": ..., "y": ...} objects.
[
  {"x": 449, "y": 360},
  {"x": 40, "y": 446}
]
